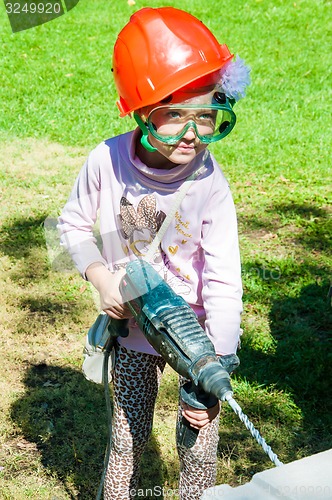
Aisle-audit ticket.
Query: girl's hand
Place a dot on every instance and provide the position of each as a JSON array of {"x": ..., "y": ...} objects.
[
  {"x": 107, "y": 284},
  {"x": 199, "y": 419}
]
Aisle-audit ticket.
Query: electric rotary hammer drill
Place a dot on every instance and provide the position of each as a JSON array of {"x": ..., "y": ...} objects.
[{"x": 172, "y": 328}]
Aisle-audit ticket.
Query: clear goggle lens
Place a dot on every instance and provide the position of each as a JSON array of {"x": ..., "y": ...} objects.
[{"x": 211, "y": 122}]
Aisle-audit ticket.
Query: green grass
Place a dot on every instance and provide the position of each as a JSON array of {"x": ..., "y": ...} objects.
[{"x": 57, "y": 102}]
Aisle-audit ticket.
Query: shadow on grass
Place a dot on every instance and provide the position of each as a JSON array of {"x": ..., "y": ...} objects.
[
  {"x": 35, "y": 242},
  {"x": 43, "y": 313},
  {"x": 65, "y": 415},
  {"x": 301, "y": 364},
  {"x": 23, "y": 241},
  {"x": 296, "y": 291},
  {"x": 20, "y": 236},
  {"x": 312, "y": 225},
  {"x": 315, "y": 221}
]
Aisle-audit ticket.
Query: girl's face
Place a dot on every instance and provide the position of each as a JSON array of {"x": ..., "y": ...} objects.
[{"x": 187, "y": 147}]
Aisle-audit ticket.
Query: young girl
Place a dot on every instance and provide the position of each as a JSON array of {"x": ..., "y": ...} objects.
[{"x": 180, "y": 85}]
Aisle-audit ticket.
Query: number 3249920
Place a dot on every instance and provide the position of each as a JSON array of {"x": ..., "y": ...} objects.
[{"x": 33, "y": 8}]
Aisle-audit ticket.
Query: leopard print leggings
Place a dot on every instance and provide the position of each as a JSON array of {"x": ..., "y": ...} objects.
[{"x": 136, "y": 380}]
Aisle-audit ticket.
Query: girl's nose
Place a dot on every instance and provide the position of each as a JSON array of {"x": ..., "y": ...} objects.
[{"x": 190, "y": 133}]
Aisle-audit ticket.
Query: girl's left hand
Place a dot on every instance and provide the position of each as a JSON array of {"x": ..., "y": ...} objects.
[{"x": 199, "y": 419}]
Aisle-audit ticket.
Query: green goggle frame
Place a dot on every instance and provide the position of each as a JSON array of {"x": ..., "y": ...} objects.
[{"x": 223, "y": 129}]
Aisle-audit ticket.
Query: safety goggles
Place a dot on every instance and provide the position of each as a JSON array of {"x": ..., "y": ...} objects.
[{"x": 169, "y": 123}]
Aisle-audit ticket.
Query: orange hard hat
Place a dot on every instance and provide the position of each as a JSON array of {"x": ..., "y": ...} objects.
[{"x": 160, "y": 51}]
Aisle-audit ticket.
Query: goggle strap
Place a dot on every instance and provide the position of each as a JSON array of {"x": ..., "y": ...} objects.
[{"x": 145, "y": 132}]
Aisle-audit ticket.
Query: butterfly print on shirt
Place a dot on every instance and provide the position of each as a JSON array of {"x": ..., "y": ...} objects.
[{"x": 145, "y": 216}]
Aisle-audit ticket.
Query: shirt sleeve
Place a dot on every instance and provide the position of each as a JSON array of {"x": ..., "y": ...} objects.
[
  {"x": 79, "y": 216},
  {"x": 221, "y": 278}
]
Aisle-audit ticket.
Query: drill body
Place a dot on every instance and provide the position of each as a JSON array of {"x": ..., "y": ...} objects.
[{"x": 172, "y": 328}]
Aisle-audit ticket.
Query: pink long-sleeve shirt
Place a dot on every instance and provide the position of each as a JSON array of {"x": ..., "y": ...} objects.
[{"x": 199, "y": 255}]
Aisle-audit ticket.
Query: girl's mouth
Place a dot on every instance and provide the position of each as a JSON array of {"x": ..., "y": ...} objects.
[{"x": 185, "y": 147}]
